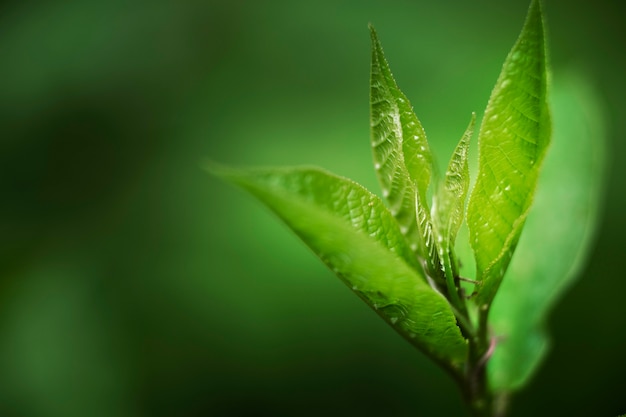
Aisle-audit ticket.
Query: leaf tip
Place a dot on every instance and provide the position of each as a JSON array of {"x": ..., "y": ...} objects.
[
  {"x": 373, "y": 36},
  {"x": 370, "y": 26},
  {"x": 224, "y": 172},
  {"x": 215, "y": 168},
  {"x": 535, "y": 15}
]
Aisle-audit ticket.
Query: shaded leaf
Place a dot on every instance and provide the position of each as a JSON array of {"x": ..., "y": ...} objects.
[
  {"x": 449, "y": 210},
  {"x": 449, "y": 201},
  {"x": 354, "y": 234},
  {"x": 556, "y": 237},
  {"x": 513, "y": 139},
  {"x": 428, "y": 248}
]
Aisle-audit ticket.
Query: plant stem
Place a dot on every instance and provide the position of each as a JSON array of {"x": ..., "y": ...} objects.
[
  {"x": 478, "y": 395},
  {"x": 473, "y": 381},
  {"x": 451, "y": 282}
]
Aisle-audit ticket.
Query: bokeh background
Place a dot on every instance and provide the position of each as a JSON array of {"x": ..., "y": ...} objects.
[{"x": 132, "y": 283}]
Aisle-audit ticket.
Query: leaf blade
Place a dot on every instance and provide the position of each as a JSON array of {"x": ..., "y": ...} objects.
[
  {"x": 513, "y": 139},
  {"x": 398, "y": 137},
  {"x": 402, "y": 159},
  {"x": 557, "y": 236},
  {"x": 449, "y": 206},
  {"x": 366, "y": 252},
  {"x": 448, "y": 212}
]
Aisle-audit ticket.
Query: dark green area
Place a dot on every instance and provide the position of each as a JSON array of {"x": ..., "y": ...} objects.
[{"x": 134, "y": 284}]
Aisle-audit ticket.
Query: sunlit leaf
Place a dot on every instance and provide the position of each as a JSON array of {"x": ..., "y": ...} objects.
[
  {"x": 513, "y": 139},
  {"x": 402, "y": 158},
  {"x": 556, "y": 237},
  {"x": 354, "y": 234}
]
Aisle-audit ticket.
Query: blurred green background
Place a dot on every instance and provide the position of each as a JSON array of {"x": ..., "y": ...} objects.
[{"x": 134, "y": 284}]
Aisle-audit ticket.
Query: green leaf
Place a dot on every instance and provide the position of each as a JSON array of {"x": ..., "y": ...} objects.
[
  {"x": 512, "y": 141},
  {"x": 449, "y": 201},
  {"x": 449, "y": 208},
  {"x": 557, "y": 235},
  {"x": 354, "y": 234},
  {"x": 427, "y": 248},
  {"x": 399, "y": 141},
  {"x": 402, "y": 158}
]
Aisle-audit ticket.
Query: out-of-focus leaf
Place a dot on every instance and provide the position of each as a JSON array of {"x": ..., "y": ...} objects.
[
  {"x": 402, "y": 159},
  {"x": 512, "y": 141},
  {"x": 556, "y": 237},
  {"x": 354, "y": 234}
]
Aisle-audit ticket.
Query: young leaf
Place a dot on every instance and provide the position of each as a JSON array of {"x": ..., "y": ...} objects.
[
  {"x": 449, "y": 201},
  {"x": 427, "y": 248},
  {"x": 556, "y": 237},
  {"x": 402, "y": 158},
  {"x": 398, "y": 139},
  {"x": 354, "y": 234},
  {"x": 513, "y": 139},
  {"x": 449, "y": 208}
]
